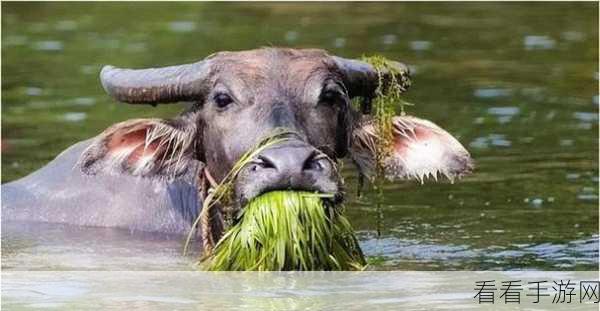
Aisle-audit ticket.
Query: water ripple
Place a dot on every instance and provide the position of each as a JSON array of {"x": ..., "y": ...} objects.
[
  {"x": 538, "y": 43},
  {"x": 420, "y": 45},
  {"x": 400, "y": 252},
  {"x": 182, "y": 26},
  {"x": 492, "y": 92},
  {"x": 48, "y": 46}
]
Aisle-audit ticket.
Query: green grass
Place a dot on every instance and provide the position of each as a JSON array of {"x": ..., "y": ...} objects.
[
  {"x": 391, "y": 85},
  {"x": 287, "y": 230},
  {"x": 388, "y": 95}
]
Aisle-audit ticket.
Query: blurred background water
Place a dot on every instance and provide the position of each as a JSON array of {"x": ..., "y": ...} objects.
[{"x": 516, "y": 83}]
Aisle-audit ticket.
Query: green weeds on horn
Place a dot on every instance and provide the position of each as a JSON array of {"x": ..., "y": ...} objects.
[{"x": 387, "y": 97}]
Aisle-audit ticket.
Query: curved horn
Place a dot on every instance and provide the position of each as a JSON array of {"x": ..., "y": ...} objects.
[
  {"x": 155, "y": 85},
  {"x": 361, "y": 79}
]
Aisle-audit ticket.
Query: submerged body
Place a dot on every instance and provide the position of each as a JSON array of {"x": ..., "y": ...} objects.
[{"x": 61, "y": 193}]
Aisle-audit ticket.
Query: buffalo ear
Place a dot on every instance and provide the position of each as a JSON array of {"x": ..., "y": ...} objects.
[
  {"x": 419, "y": 149},
  {"x": 141, "y": 147}
]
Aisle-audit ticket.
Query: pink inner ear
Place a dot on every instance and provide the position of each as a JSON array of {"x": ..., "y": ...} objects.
[
  {"x": 402, "y": 142},
  {"x": 143, "y": 151},
  {"x": 422, "y": 149},
  {"x": 141, "y": 147},
  {"x": 131, "y": 145}
]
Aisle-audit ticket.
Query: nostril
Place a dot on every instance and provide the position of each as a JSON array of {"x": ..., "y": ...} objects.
[{"x": 314, "y": 162}]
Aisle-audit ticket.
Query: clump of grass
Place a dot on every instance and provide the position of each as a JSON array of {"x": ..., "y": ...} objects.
[
  {"x": 287, "y": 230},
  {"x": 391, "y": 85},
  {"x": 392, "y": 82}
]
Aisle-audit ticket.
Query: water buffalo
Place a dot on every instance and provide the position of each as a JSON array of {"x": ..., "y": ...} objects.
[{"x": 152, "y": 174}]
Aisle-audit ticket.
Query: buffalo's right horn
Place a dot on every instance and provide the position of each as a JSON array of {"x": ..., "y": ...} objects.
[{"x": 156, "y": 85}]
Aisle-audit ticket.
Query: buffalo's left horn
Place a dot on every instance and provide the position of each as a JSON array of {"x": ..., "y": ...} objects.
[
  {"x": 156, "y": 85},
  {"x": 362, "y": 79}
]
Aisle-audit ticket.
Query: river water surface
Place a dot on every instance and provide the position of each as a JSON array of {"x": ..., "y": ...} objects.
[{"x": 517, "y": 84}]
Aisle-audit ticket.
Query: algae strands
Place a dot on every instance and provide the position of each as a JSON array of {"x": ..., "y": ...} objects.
[{"x": 287, "y": 230}]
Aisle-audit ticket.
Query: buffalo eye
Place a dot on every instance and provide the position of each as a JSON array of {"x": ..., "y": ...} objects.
[{"x": 222, "y": 100}]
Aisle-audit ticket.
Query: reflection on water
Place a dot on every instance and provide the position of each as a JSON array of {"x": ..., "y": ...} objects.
[
  {"x": 519, "y": 91},
  {"x": 181, "y": 290}
]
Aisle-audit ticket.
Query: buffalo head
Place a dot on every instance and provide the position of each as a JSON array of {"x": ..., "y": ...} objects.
[{"x": 239, "y": 98}]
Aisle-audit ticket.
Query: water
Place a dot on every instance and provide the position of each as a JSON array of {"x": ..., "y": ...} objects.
[
  {"x": 520, "y": 95},
  {"x": 185, "y": 290}
]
